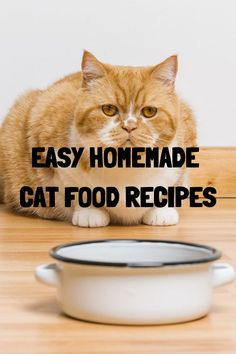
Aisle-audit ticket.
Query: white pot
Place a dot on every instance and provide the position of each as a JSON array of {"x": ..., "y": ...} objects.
[{"x": 135, "y": 281}]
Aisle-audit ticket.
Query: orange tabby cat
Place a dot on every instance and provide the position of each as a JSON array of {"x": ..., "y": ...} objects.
[{"x": 104, "y": 105}]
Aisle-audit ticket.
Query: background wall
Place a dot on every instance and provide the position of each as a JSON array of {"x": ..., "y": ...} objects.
[{"x": 40, "y": 41}]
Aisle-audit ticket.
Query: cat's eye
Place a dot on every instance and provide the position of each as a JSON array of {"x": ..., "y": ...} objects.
[
  {"x": 109, "y": 110},
  {"x": 149, "y": 112}
]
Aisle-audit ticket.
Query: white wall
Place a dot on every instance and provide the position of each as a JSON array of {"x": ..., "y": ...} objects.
[{"x": 40, "y": 41}]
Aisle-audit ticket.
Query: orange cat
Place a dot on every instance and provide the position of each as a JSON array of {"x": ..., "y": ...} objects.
[{"x": 104, "y": 105}]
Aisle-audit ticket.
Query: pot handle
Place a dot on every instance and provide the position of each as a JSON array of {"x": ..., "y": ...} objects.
[
  {"x": 48, "y": 274},
  {"x": 223, "y": 273}
]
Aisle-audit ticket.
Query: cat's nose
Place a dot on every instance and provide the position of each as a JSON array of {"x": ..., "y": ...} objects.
[{"x": 129, "y": 127}]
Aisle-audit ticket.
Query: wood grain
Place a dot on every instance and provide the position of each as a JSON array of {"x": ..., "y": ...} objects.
[
  {"x": 31, "y": 322},
  {"x": 217, "y": 168},
  {"x": 30, "y": 318}
]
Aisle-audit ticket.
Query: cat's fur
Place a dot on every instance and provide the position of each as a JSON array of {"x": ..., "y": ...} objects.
[{"x": 69, "y": 113}]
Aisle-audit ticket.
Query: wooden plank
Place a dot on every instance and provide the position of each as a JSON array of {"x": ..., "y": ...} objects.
[
  {"x": 217, "y": 168},
  {"x": 31, "y": 321}
]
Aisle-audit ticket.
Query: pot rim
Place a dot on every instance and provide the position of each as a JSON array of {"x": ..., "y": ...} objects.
[{"x": 214, "y": 255}]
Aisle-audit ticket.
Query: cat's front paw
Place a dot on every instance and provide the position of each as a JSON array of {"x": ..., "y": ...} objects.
[
  {"x": 90, "y": 217},
  {"x": 161, "y": 216}
]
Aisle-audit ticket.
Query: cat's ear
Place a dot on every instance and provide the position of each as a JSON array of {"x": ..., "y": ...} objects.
[
  {"x": 92, "y": 68},
  {"x": 166, "y": 71}
]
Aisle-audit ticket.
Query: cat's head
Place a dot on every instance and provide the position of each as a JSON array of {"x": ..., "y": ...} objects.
[{"x": 127, "y": 106}]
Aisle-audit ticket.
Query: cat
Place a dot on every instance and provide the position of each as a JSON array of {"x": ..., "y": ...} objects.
[{"x": 103, "y": 105}]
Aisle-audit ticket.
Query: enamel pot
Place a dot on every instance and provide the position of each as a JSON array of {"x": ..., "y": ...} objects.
[{"x": 135, "y": 281}]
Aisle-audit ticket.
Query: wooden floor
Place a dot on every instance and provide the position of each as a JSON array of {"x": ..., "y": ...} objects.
[{"x": 30, "y": 319}]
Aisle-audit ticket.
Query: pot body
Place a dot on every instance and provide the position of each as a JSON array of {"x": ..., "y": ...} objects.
[{"x": 134, "y": 296}]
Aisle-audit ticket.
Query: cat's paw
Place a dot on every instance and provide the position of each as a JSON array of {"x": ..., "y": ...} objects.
[
  {"x": 90, "y": 217},
  {"x": 161, "y": 216}
]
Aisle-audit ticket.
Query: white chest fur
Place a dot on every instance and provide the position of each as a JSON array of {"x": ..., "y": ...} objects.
[{"x": 119, "y": 178}]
